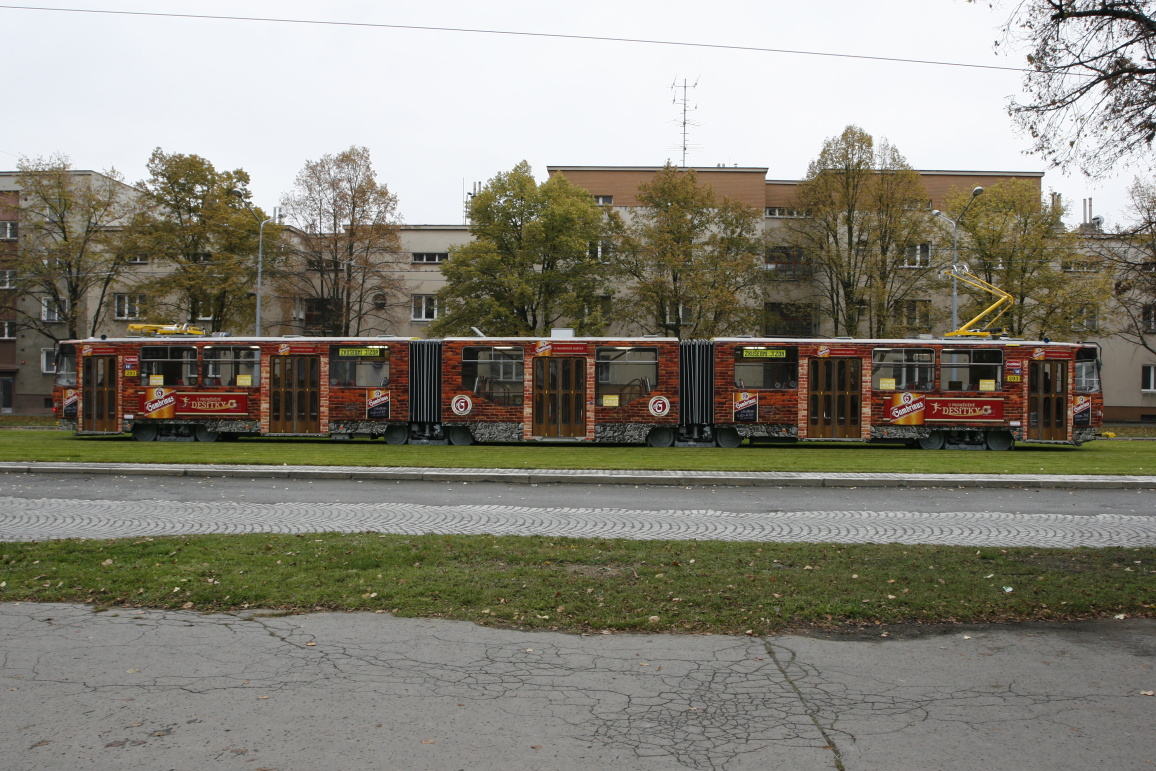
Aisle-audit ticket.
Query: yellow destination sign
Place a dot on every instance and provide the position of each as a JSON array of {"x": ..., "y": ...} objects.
[
  {"x": 764, "y": 353},
  {"x": 375, "y": 353}
]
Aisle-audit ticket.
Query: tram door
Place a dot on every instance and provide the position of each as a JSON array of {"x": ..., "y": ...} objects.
[
  {"x": 559, "y": 396},
  {"x": 834, "y": 398},
  {"x": 99, "y": 394},
  {"x": 1048, "y": 400},
  {"x": 295, "y": 394}
]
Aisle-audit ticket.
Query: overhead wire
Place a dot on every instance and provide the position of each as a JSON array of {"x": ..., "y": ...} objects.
[{"x": 519, "y": 33}]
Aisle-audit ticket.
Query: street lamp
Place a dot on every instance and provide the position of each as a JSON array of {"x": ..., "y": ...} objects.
[
  {"x": 975, "y": 193},
  {"x": 260, "y": 256}
]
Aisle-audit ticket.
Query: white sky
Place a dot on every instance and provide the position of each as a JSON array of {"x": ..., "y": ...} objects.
[{"x": 441, "y": 110}]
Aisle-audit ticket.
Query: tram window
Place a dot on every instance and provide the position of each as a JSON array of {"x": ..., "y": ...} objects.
[
  {"x": 232, "y": 366},
  {"x": 625, "y": 374},
  {"x": 493, "y": 373},
  {"x": 971, "y": 369},
  {"x": 1087, "y": 371},
  {"x": 358, "y": 366},
  {"x": 168, "y": 365},
  {"x": 65, "y": 366},
  {"x": 902, "y": 369},
  {"x": 766, "y": 367}
]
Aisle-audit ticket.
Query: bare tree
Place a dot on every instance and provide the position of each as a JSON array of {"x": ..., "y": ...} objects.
[
  {"x": 1092, "y": 90},
  {"x": 70, "y": 245},
  {"x": 344, "y": 247},
  {"x": 1131, "y": 255}
]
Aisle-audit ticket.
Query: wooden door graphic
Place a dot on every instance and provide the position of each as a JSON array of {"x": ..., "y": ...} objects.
[
  {"x": 294, "y": 394},
  {"x": 99, "y": 394},
  {"x": 559, "y": 396},
  {"x": 834, "y": 397},
  {"x": 1048, "y": 400}
]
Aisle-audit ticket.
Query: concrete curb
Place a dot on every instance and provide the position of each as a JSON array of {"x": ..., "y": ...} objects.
[{"x": 595, "y": 477}]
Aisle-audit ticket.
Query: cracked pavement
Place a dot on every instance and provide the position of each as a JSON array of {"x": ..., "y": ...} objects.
[{"x": 148, "y": 689}]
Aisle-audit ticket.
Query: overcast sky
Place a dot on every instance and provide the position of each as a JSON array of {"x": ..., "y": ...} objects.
[{"x": 440, "y": 109}]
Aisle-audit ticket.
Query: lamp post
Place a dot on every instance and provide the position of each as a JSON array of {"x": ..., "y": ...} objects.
[
  {"x": 975, "y": 193},
  {"x": 260, "y": 256}
]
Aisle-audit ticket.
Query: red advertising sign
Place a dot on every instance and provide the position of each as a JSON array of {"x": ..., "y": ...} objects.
[
  {"x": 167, "y": 403},
  {"x": 97, "y": 350},
  {"x": 824, "y": 351},
  {"x": 947, "y": 410},
  {"x": 556, "y": 348},
  {"x": 377, "y": 403}
]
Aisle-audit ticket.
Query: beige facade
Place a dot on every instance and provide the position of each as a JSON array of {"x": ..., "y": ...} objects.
[{"x": 1129, "y": 374}]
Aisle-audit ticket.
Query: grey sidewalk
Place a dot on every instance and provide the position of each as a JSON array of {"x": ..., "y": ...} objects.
[
  {"x": 148, "y": 689},
  {"x": 594, "y": 476}
]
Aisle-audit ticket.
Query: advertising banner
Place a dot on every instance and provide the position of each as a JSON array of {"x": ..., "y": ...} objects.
[
  {"x": 377, "y": 403},
  {"x": 169, "y": 403},
  {"x": 947, "y": 410},
  {"x": 907, "y": 409},
  {"x": 746, "y": 406}
]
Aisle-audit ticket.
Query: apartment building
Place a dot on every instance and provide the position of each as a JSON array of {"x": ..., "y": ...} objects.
[{"x": 1130, "y": 370}]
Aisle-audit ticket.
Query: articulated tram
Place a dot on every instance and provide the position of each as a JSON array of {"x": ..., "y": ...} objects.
[{"x": 928, "y": 393}]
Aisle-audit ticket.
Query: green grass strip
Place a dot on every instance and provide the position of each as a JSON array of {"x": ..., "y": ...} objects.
[
  {"x": 1100, "y": 457},
  {"x": 586, "y": 585}
]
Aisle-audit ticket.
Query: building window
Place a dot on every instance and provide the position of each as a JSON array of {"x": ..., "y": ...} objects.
[
  {"x": 786, "y": 262},
  {"x": 425, "y": 307},
  {"x": 493, "y": 373},
  {"x": 359, "y": 366},
  {"x": 7, "y": 330},
  {"x": 761, "y": 366},
  {"x": 784, "y": 212},
  {"x": 137, "y": 259},
  {"x": 48, "y": 361},
  {"x": 322, "y": 315},
  {"x": 1085, "y": 319},
  {"x": 9, "y": 230},
  {"x": 200, "y": 258},
  {"x": 1080, "y": 266},
  {"x": 916, "y": 256},
  {"x": 788, "y": 319},
  {"x": 128, "y": 306},
  {"x": 975, "y": 369},
  {"x": 7, "y": 279},
  {"x": 1148, "y": 378},
  {"x": 625, "y": 374},
  {"x": 51, "y": 311},
  {"x": 430, "y": 257},
  {"x": 913, "y": 315},
  {"x": 601, "y": 251},
  {"x": 604, "y": 200},
  {"x": 679, "y": 314},
  {"x": 232, "y": 365},
  {"x": 1148, "y": 318},
  {"x": 902, "y": 369}
]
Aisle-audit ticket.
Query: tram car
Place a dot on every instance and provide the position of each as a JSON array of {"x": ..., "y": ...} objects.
[{"x": 928, "y": 393}]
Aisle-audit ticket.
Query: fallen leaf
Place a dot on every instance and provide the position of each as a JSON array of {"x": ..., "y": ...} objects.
[
  {"x": 428, "y": 741},
  {"x": 1148, "y": 693},
  {"x": 1008, "y": 589},
  {"x": 107, "y": 562},
  {"x": 1120, "y": 616}
]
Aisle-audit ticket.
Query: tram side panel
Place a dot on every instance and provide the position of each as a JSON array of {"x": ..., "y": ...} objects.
[{"x": 756, "y": 392}]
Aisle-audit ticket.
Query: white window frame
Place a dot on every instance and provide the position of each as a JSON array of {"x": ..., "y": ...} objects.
[
  {"x": 1148, "y": 378},
  {"x": 604, "y": 200},
  {"x": 137, "y": 259},
  {"x": 126, "y": 306},
  {"x": 1148, "y": 318},
  {"x": 429, "y": 258},
  {"x": 9, "y": 230},
  {"x": 48, "y": 361},
  {"x": 7, "y": 330},
  {"x": 917, "y": 256},
  {"x": 423, "y": 307},
  {"x": 8, "y": 278},
  {"x": 51, "y": 312}
]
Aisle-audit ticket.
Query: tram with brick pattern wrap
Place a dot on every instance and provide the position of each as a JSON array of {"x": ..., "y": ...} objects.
[{"x": 930, "y": 393}]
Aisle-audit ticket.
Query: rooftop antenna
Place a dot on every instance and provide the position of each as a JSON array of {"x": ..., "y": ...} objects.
[{"x": 686, "y": 107}]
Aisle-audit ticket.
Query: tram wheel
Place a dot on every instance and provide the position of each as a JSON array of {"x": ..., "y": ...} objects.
[
  {"x": 933, "y": 441},
  {"x": 660, "y": 437},
  {"x": 205, "y": 435},
  {"x": 727, "y": 437},
  {"x": 144, "y": 433},
  {"x": 459, "y": 435},
  {"x": 397, "y": 435},
  {"x": 999, "y": 440}
]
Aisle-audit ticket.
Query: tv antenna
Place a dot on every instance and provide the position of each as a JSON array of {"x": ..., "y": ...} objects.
[{"x": 684, "y": 102}]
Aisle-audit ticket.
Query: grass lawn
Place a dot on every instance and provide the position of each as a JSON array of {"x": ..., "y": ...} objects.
[
  {"x": 583, "y": 585},
  {"x": 1099, "y": 457}
]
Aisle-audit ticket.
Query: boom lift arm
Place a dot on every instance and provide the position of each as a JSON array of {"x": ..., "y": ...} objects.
[{"x": 1003, "y": 301}]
